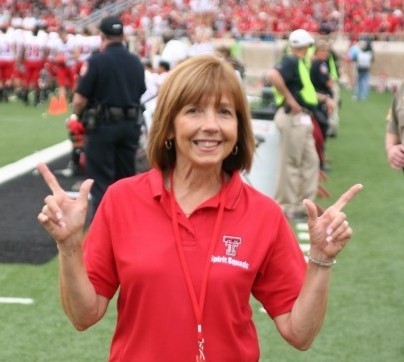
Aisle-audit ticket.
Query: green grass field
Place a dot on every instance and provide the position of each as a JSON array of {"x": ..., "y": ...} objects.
[
  {"x": 24, "y": 130},
  {"x": 366, "y": 309}
]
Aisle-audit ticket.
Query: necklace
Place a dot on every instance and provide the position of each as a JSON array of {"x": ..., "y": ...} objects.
[{"x": 197, "y": 304}]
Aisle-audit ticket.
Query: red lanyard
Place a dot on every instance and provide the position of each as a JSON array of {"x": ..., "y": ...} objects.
[{"x": 197, "y": 305}]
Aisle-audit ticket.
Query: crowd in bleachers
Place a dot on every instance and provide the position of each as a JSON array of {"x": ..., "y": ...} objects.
[
  {"x": 262, "y": 18},
  {"x": 266, "y": 19},
  {"x": 52, "y": 13},
  {"x": 269, "y": 18}
]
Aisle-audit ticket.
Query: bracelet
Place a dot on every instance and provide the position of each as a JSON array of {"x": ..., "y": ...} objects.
[{"x": 325, "y": 264}]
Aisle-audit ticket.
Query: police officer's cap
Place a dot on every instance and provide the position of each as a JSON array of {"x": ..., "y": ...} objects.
[
  {"x": 111, "y": 26},
  {"x": 300, "y": 38}
]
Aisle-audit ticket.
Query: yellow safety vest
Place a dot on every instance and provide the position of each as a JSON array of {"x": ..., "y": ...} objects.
[
  {"x": 308, "y": 92},
  {"x": 333, "y": 67}
]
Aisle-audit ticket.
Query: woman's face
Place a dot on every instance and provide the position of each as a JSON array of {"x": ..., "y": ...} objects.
[{"x": 205, "y": 135}]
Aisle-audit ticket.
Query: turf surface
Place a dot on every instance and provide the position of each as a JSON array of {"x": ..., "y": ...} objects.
[
  {"x": 23, "y": 240},
  {"x": 365, "y": 317}
]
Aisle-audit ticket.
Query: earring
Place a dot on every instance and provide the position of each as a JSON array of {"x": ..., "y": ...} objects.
[
  {"x": 235, "y": 150},
  {"x": 169, "y": 144}
]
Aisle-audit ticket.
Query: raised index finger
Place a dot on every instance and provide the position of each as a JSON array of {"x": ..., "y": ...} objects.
[
  {"x": 49, "y": 178},
  {"x": 347, "y": 196}
]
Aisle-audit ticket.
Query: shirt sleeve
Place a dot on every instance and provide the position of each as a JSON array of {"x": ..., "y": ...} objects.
[
  {"x": 88, "y": 76},
  {"x": 281, "y": 276},
  {"x": 98, "y": 253},
  {"x": 395, "y": 115},
  {"x": 287, "y": 68}
]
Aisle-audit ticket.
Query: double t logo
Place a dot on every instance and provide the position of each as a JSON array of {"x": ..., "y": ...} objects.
[{"x": 231, "y": 242}]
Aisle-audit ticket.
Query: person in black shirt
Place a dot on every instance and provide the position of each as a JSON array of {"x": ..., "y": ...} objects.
[
  {"x": 323, "y": 84},
  {"x": 107, "y": 102}
]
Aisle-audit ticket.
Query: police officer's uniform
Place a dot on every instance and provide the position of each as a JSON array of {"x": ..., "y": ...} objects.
[
  {"x": 112, "y": 81},
  {"x": 298, "y": 170}
]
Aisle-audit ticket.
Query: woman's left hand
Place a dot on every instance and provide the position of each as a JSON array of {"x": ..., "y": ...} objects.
[{"x": 330, "y": 231}]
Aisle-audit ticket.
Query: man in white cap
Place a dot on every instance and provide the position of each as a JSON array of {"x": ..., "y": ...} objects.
[{"x": 298, "y": 171}]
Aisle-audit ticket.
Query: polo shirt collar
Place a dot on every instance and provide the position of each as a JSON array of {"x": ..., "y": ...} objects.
[{"x": 234, "y": 186}]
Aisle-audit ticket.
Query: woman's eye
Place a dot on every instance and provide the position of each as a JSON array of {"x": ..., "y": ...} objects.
[
  {"x": 226, "y": 111},
  {"x": 192, "y": 110}
]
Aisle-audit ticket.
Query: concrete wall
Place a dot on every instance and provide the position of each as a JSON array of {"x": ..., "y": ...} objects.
[{"x": 387, "y": 68}]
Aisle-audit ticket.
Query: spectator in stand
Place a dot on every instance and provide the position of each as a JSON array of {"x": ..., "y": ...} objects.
[{"x": 244, "y": 18}]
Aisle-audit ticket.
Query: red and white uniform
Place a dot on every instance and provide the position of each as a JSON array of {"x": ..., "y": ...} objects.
[
  {"x": 35, "y": 52},
  {"x": 8, "y": 56},
  {"x": 53, "y": 42},
  {"x": 65, "y": 51},
  {"x": 86, "y": 44},
  {"x": 131, "y": 247}
]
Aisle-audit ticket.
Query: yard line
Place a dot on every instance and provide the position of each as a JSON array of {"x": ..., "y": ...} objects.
[
  {"x": 303, "y": 236},
  {"x": 304, "y": 247},
  {"x": 12, "y": 300},
  {"x": 302, "y": 226},
  {"x": 29, "y": 163}
]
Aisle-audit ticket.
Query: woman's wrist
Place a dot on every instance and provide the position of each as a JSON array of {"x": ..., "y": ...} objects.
[{"x": 320, "y": 261}]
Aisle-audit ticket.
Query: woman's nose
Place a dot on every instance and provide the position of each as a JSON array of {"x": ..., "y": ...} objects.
[{"x": 210, "y": 120}]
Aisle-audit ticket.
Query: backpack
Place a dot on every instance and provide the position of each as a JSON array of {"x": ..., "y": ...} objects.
[{"x": 364, "y": 60}]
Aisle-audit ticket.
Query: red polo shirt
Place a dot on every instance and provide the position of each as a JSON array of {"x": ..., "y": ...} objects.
[{"x": 131, "y": 246}]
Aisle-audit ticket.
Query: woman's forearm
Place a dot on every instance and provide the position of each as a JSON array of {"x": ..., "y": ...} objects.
[
  {"x": 303, "y": 323},
  {"x": 78, "y": 298}
]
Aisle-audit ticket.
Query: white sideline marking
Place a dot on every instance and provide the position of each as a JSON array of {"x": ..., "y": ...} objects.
[
  {"x": 305, "y": 247},
  {"x": 302, "y": 226},
  {"x": 303, "y": 236},
  {"x": 29, "y": 163},
  {"x": 7, "y": 300}
]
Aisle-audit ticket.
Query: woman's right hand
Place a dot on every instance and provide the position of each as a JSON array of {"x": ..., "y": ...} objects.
[{"x": 63, "y": 217}]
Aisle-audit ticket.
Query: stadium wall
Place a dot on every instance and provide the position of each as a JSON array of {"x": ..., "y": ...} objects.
[{"x": 387, "y": 70}]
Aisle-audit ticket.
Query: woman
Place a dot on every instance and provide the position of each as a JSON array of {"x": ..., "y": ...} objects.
[{"x": 188, "y": 242}]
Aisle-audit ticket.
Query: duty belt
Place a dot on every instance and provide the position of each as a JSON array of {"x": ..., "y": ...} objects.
[{"x": 116, "y": 114}]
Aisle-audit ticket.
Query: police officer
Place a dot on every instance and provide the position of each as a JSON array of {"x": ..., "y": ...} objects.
[
  {"x": 394, "y": 141},
  {"x": 107, "y": 101},
  {"x": 298, "y": 172}
]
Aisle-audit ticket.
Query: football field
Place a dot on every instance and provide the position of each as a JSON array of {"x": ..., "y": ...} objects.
[{"x": 365, "y": 317}]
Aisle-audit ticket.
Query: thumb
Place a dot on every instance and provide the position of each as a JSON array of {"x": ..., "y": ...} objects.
[
  {"x": 85, "y": 188},
  {"x": 311, "y": 209}
]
